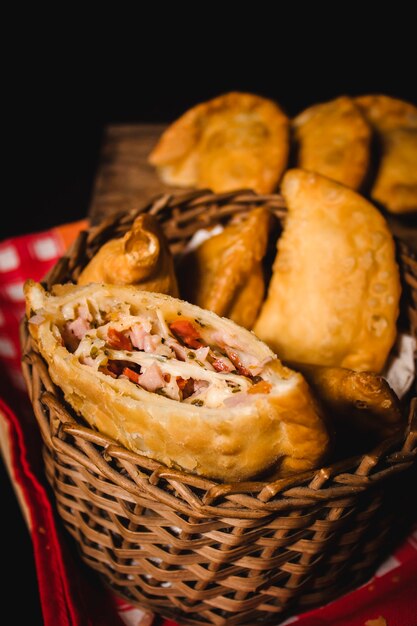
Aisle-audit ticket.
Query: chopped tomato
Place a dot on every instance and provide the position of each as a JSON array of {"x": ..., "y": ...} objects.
[
  {"x": 132, "y": 376},
  {"x": 187, "y": 332},
  {"x": 118, "y": 340},
  {"x": 167, "y": 378},
  {"x": 262, "y": 387},
  {"x": 186, "y": 386}
]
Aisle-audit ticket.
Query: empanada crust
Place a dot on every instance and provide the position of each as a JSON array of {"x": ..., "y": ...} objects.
[
  {"x": 237, "y": 140},
  {"x": 333, "y": 139},
  {"x": 334, "y": 294},
  {"x": 141, "y": 257},
  {"x": 395, "y": 123},
  {"x": 224, "y": 274},
  {"x": 361, "y": 401},
  {"x": 230, "y": 444}
]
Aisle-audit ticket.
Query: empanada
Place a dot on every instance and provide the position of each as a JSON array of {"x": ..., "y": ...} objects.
[
  {"x": 174, "y": 382},
  {"x": 333, "y": 139},
  {"x": 334, "y": 294},
  {"x": 235, "y": 141},
  {"x": 224, "y": 274},
  {"x": 395, "y": 123},
  {"x": 141, "y": 257},
  {"x": 360, "y": 401}
]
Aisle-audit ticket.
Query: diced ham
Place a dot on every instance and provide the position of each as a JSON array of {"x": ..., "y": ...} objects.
[
  {"x": 79, "y": 327},
  {"x": 151, "y": 343},
  {"x": 118, "y": 340},
  {"x": 222, "y": 364},
  {"x": 137, "y": 336},
  {"x": 152, "y": 378},
  {"x": 179, "y": 350}
]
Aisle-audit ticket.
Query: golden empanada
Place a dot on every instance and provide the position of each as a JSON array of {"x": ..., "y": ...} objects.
[
  {"x": 395, "y": 123},
  {"x": 224, "y": 274},
  {"x": 176, "y": 383},
  {"x": 235, "y": 141},
  {"x": 333, "y": 139},
  {"x": 141, "y": 257},
  {"x": 334, "y": 293},
  {"x": 361, "y": 401}
]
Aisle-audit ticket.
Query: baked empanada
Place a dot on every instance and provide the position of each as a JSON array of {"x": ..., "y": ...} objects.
[
  {"x": 361, "y": 401},
  {"x": 334, "y": 294},
  {"x": 333, "y": 139},
  {"x": 224, "y": 274},
  {"x": 141, "y": 257},
  {"x": 236, "y": 140},
  {"x": 174, "y": 382},
  {"x": 395, "y": 123}
]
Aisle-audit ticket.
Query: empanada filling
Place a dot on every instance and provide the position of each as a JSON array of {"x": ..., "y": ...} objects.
[{"x": 183, "y": 359}]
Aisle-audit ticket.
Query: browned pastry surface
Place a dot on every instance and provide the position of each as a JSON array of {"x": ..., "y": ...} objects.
[
  {"x": 333, "y": 139},
  {"x": 237, "y": 140},
  {"x": 141, "y": 257},
  {"x": 224, "y": 274},
  {"x": 334, "y": 294},
  {"x": 395, "y": 123}
]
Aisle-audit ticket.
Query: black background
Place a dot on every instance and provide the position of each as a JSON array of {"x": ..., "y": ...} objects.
[{"x": 62, "y": 92}]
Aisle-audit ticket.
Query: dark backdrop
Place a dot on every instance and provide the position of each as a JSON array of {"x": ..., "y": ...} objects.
[{"x": 63, "y": 104}]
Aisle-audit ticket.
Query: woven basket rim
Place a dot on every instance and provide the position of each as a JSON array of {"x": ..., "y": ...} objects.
[{"x": 394, "y": 452}]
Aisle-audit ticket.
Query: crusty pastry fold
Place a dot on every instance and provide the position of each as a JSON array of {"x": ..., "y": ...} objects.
[
  {"x": 334, "y": 295},
  {"x": 141, "y": 257},
  {"x": 395, "y": 124},
  {"x": 233, "y": 141},
  {"x": 333, "y": 139},
  {"x": 224, "y": 274},
  {"x": 174, "y": 382}
]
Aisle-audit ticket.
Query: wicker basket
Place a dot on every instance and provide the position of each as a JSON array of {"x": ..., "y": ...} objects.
[{"x": 192, "y": 549}]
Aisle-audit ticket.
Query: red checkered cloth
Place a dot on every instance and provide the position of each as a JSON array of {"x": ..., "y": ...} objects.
[{"x": 71, "y": 595}]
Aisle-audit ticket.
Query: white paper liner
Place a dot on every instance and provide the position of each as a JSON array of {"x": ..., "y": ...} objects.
[{"x": 400, "y": 367}]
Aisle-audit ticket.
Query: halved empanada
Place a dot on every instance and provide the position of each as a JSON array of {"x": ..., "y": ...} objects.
[{"x": 174, "y": 382}]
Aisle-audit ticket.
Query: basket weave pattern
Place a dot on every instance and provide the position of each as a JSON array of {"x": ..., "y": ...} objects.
[{"x": 192, "y": 549}]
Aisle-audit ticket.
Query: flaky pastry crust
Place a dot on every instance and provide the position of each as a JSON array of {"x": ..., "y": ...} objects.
[
  {"x": 333, "y": 139},
  {"x": 395, "y": 123},
  {"x": 237, "y": 140},
  {"x": 334, "y": 294},
  {"x": 141, "y": 257},
  {"x": 224, "y": 274}
]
